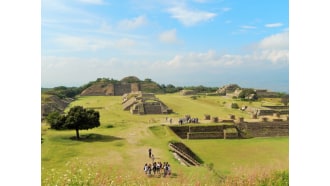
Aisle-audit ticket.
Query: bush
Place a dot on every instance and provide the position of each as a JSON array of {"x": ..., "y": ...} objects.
[{"x": 234, "y": 106}]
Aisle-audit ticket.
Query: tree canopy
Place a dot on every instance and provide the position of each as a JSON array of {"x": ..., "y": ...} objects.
[{"x": 78, "y": 118}]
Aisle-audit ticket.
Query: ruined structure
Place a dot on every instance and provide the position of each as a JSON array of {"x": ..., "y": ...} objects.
[
  {"x": 262, "y": 93},
  {"x": 110, "y": 89},
  {"x": 234, "y": 129},
  {"x": 228, "y": 89},
  {"x": 144, "y": 103},
  {"x": 187, "y": 92},
  {"x": 54, "y": 104},
  {"x": 267, "y": 110}
]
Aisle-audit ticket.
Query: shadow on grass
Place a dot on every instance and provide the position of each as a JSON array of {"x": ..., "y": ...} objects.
[{"x": 95, "y": 138}]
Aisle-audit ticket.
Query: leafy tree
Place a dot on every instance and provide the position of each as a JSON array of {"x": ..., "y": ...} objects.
[
  {"x": 246, "y": 92},
  {"x": 78, "y": 118},
  {"x": 56, "y": 120}
]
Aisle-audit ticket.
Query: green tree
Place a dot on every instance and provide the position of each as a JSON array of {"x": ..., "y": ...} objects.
[
  {"x": 56, "y": 120},
  {"x": 247, "y": 92},
  {"x": 78, "y": 118}
]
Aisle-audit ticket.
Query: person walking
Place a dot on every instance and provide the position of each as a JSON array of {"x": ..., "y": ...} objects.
[{"x": 150, "y": 153}]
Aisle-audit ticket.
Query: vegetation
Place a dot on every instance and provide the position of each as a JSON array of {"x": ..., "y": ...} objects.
[
  {"x": 115, "y": 152},
  {"x": 78, "y": 118},
  {"x": 245, "y": 93}
]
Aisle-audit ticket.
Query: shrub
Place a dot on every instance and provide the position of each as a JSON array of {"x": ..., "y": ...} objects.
[{"x": 234, "y": 106}]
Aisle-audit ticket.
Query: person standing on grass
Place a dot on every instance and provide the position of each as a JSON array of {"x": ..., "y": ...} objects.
[
  {"x": 145, "y": 168},
  {"x": 152, "y": 158},
  {"x": 150, "y": 153}
]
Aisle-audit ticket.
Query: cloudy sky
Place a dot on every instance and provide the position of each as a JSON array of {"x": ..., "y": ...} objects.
[{"x": 187, "y": 42}]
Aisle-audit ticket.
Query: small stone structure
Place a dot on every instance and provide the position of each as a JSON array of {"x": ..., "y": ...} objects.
[
  {"x": 187, "y": 92},
  {"x": 144, "y": 103},
  {"x": 207, "y": 116},
  {"x": 228, "y": 89},
  {"x": 215, "y": 119}
]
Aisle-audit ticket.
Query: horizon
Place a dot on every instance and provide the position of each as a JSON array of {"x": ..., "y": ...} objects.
[
  {"x": 191, "y": 42},
  {"x": 183, "y": 86}
]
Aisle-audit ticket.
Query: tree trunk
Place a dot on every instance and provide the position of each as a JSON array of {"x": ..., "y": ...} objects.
[{"x": 77, "y": 134}]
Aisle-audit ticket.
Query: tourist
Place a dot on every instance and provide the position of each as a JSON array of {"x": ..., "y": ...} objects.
[
  {"x": 145, "y": 168},
  {"x": 152, "y": 158},
  {"x": 149, "y": 152}
]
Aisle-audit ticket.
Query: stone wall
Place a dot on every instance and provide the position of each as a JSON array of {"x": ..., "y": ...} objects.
[
  {"x": 108, "y": 89},
  {"x": 265, "y": 129},
  {"x": 152, "y": 108},
  {"x": 204, "y": 132},
  {"x": 254, "y": 129},
  {"x": 120, "y": 89},
  {"x": 135, "y": 87},
  {"x": 181, "y": 131},
  {"x": 277, "y": 107},
  {"x": 205, "y": 135}
]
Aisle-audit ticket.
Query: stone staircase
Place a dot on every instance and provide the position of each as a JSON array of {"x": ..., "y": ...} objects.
[{"x": 187, "y": 159}]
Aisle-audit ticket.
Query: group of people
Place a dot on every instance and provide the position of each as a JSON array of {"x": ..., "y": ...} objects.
[
  {"x": 157, "y": 168},
  {"x": 187, "y": 119}
]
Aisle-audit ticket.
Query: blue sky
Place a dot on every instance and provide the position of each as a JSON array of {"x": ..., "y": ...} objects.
[{"x": 187, "y": 42}]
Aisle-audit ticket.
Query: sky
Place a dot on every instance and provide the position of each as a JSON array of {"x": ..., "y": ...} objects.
[{"x": 183, "y": 43}]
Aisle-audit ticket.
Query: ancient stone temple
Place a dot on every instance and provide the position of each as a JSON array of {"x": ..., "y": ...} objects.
[
  {"x": 110, "y": 89},
  {"x": 144, "y": 103}
]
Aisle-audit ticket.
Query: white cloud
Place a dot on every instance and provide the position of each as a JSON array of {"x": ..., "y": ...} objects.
[
  {"x": 270, "y": 50},
  {"x": 189, "y": 17},
  {"x": 168, "y": 36},
  {"x": 272, "y": 25},
  {"x": 75, "y": 43},
  {"x": 203, "y": 60},
  {"x": 132, "y": 23},
  {"x": 248, "y": 27},
  {"x": 125, "y": 43},
  {"x": 276, "y": 41},
  {"x": 97, "y": 2}
]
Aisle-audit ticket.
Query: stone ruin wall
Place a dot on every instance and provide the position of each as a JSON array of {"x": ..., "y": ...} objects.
[
  {"x": 254, "y": 129},
  {"x": 268, "y": 110},
  {"x": 104, "y": 89},
  {"x": 204, "y": 132},
  {"x": 120, "y": 89},
  {"x": 152, "y": 108},
  {"x": 266, "y": 129},
  {"x": 135, "y": 87}
]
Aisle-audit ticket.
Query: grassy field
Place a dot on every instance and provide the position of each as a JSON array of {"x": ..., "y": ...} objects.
[{"x": 115, "y": 152}]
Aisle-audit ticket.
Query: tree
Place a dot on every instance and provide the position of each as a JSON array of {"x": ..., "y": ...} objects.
[
  {"x": 78, "y": 118},
  {"x": 245, "y": 93}
]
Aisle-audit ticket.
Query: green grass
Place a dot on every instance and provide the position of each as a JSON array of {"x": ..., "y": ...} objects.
[{"x": 116, "y": 151}]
